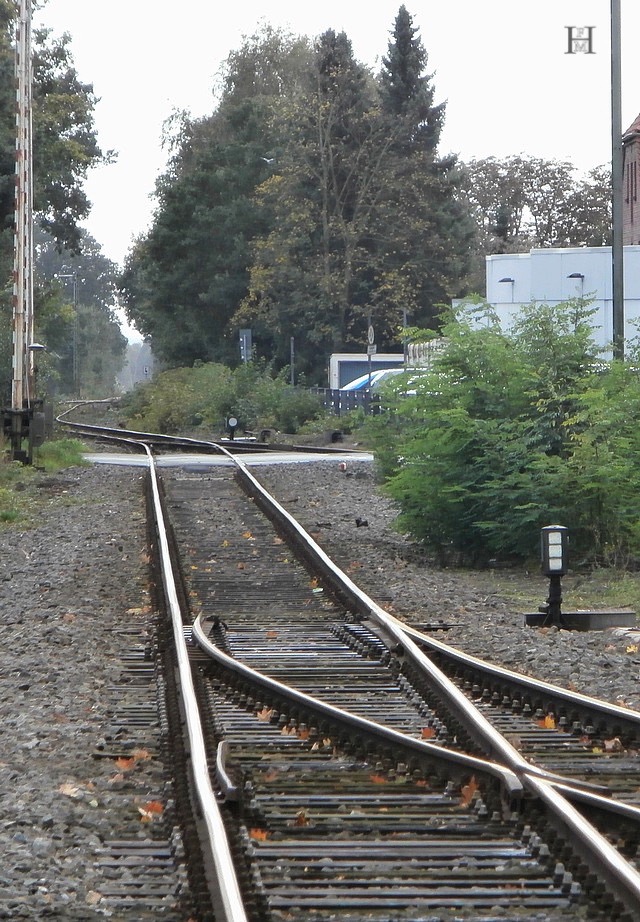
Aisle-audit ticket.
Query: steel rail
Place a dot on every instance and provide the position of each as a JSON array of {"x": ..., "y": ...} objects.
[
  {"x": 614, "y": 711},
  {"x": 354, "y": 723},
  {"x": 497, "y": 747},
  {"x": 227, "y": 889},
  {"x": 200, "y": 445},
  {"x": 623, "y": 879}
]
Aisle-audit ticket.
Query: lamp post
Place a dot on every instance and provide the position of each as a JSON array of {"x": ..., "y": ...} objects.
[
  {"x": 506, "y": 280},
  {"x": 578, "y": 275},
  {"x": 617, "y": 249},
  {"x": 34, "y": 349},
  {"x": 72, "y": 274}
]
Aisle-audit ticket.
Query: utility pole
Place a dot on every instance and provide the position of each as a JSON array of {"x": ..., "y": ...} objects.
[
  {"x": 617, "y": 166},
  {"x": 72, "y": 274},
  {"x": 17, "y": 420}
]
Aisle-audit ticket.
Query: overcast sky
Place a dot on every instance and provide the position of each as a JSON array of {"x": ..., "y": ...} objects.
[{"x": 501, "y": 66}]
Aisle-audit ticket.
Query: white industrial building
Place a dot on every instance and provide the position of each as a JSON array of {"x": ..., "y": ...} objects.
[{"x": 553, "y": 275}]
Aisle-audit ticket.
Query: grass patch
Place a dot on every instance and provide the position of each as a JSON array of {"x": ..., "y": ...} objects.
[
  {"x": 598, "y": 589},
  {"x": 19, "y": 497},
  {"x": 60, "y": 453}
]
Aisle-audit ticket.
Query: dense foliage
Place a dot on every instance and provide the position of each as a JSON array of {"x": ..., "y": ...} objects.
[
  {"x": 77, "y": 319},
  {"x": 312, "y": 200},
  {"x": 184, "y": 280},
  {"x": 522, "y": 202},
  {"x": 202, "y": 398},
  {"x": 514, "y": 430}
]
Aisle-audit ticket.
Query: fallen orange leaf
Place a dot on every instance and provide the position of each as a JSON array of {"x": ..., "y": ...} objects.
[
  {"x": 258, "y": 834},
  {"x": 428, "y": 733},
  {"x": 154, "y": 806},
  {"x": 125, "y": 765},
  {"x": 150, "y": 810},
  {"x": 467, "y": 792}
]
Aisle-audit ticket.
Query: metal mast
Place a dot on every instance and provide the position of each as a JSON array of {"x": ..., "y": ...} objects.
[
  {"x": 617, "y": 164},
  {"x": 22, "y": 381}
]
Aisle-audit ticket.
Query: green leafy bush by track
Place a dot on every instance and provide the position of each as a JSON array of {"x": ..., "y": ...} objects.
[
  {"x": 203, "y": 397},
  {"x": 513, "y": 430}
]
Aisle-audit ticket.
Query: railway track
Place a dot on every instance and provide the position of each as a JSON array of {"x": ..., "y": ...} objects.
[
  {"x": 356, "y": 777},
  {"x": 309, "y": 635}
]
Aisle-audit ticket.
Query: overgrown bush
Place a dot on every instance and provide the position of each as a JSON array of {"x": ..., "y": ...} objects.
[
  {"x": 206, "y": 395},
  {"x": 513, "y": 430}
]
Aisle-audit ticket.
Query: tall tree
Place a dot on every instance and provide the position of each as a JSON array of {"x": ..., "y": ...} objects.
[
  {"x": 306, "y": 278},
  {"x": 406, "y": 90},
  {"x": 424, "y": 235},
  {"x": 521, "y": 202},
  {"x": 366, "y": 223},
  {"x": 312, "y": 198},
  {"x": 185, "y": 278}
]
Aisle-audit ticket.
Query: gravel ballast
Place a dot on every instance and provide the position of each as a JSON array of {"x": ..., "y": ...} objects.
[{"x": 75, "y": 603}]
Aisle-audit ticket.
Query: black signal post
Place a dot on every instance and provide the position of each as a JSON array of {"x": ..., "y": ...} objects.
[{"x": 554, "y": 547}]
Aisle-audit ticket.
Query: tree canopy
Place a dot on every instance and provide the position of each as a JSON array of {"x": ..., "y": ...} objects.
[
  {"x": 77, "y": 319},
  {"x": 521, "y": 202},
  {"x": 312, "y": 200}
]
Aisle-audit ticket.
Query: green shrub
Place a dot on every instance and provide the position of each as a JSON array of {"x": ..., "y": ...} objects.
[
  {"x": 296, "y": 408},
  {"x": 515, "y": 430},
  {"x": 204, "y": 396}
]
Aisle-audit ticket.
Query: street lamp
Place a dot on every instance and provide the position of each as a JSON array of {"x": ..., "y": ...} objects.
[
  {"x": 509, "y": 280},
  {"x": 578, "y": 275},
  {"x": 69, "y": 273}
]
